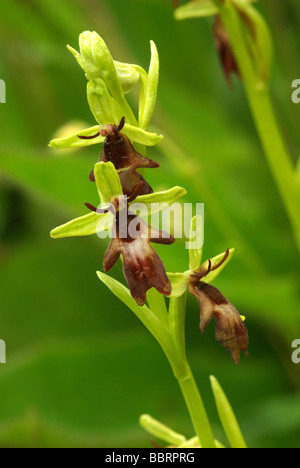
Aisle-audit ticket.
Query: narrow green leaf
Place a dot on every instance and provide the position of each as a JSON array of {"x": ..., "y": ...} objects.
[
  {"x": 213, "y": 274},
  {"x": 151, "y": 90},
  {"x": 157, "y": 304},
  {"x": 143, "y": 313},
  {"x": 297, "y": 172},
  {"x": 196, "y": 242},
  {"x": 157, "y": 429},
  {"x": 83, "y": 226},
  {"x": 108, "y": 181},
  {"x": 196, "y": 9},
  {"x": 227, "y": 416},
  {"x": 179, "y": 282}
]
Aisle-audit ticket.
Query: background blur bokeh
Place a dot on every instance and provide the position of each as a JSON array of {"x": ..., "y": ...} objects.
[{"x": 80, "y": 367}]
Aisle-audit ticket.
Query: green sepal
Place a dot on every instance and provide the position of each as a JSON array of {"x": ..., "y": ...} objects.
[
  {"x": 108, "y": 181},
  {"x": 101, "y": 102},
  {"x": 83, "y": 226},
  {"x": 179, "y": 282},
  {"x": 160, "y": 200},
  {"x": 141, "y": 136},
  {"x": 97, "y": 62},
  {"x": 196, "y": 9},
  {"x": 135, "y": 134},
  {"x": 73, "y": 141}
]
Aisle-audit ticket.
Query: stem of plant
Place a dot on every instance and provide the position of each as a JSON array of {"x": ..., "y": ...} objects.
[
  {"x": 268, "y": 129},
  {"x": 196, "y": 409},
  {"x": 183, "y": 373}
]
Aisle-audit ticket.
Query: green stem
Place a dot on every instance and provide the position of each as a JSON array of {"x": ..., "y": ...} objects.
[
  {"x": 177, "y": 309},
  {"x": 196, "y": 409},
  {"x": 278, "y": 158},
  {"x": 177, "y": 312},
  {"x": 264, "y": 117}
]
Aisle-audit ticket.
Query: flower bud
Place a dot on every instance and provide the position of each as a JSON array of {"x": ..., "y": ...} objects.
[
  {"x": 97, "y": 62},
  {"x": 127, "y": 75},
  {"x": 225, "y": 51}
]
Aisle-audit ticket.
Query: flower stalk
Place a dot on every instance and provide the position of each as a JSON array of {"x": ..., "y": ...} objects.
[
  {"x": 259, "y": 99},
  {"x": 251, "y": 46}
]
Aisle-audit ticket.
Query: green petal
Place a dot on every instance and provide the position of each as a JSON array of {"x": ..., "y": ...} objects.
[
  {"x": 151, "y": 89},
  {"x": 73, "y": 141},
  {"x": 143, "y": 83},
  {"x": 196, "y": 242},
  {"x": 196, "y": 9},
  {"x": 127, "y": 74},
  {"x": 108, "y": 181},
  {"x": 83, "y": 226},
  {"x": 159, "y": 201},
  {"x": 179, "y": 282},
  {"x": 227, "y": 416},
  {"x": 213, "y": 274}
]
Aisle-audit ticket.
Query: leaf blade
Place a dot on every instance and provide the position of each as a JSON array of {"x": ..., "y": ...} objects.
[{"x": 227, "y": 416}]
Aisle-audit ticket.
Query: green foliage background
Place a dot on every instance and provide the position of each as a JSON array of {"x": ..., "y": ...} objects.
[{"x": 80, "y": 368}]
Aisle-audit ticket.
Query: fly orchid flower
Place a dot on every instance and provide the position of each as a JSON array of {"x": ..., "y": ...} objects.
[
  {"x": 143, "y": 268},
  {"x": 225, "y": 51},
  {"x": 230, "y": 329},
  {"x": 233, "y": 15},
  {"x": 108, "y": 83},
  {"x": 118, "y": 149}
]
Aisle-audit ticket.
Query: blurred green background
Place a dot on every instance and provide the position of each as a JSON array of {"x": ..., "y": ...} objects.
[{"x": 80, "y": 367}]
